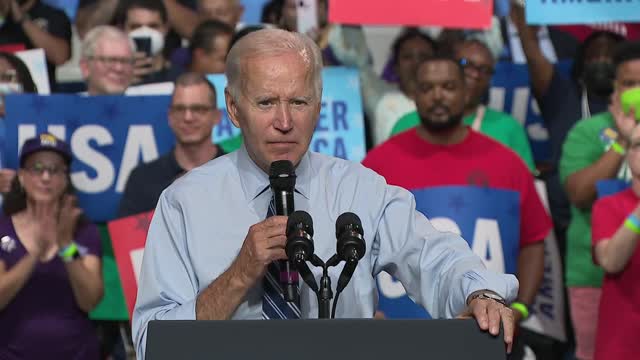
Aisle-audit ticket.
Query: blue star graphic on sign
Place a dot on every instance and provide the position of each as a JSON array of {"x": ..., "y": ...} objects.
[
  {"x": 39, "y": 104},
  {"x": 111, "y": 111},
  {"x": 457, "y": 203}
]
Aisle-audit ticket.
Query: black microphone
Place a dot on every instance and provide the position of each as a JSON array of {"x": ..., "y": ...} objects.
[
  {"x": 351, "y": 246},
  {"x": 282, "y": 178},
  {"x": 299, "y": 236},
  {"x": 299, "y": 247}
]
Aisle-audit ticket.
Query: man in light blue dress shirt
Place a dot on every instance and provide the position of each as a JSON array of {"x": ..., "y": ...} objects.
[{"x": 209, "y": 243}]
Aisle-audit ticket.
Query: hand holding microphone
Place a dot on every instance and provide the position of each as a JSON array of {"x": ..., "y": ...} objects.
[
  {"x": 282, "y": 178},
  {"x": 263, "y": 244}
]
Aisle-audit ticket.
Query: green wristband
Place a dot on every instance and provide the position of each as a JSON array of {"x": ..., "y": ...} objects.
[
  {"x": 632, "y": 223},
  {"x": 521, "y": 308},
  {"x": 69, "y": 252},
  {"x": 618, "y": 148}
]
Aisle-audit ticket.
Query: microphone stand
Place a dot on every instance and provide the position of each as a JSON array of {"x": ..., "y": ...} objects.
[{"x": 324, "y": 293}]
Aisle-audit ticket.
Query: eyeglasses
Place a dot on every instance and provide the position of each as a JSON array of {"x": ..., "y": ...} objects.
[
  {"x": 198, "y": 110},
  {"x": 9, "y": 75},
  {"x": 113, "y": 60},
  {"x": 482, "y": 69},
  {"x": 39, "y": 169}
]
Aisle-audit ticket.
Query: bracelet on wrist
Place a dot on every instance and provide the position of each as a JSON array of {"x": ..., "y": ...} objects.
[
  {"x": 632, "y": 223},
  {"x": 521, "y": 308},
  {"x": 69, "y": 252},
  {"x": 618, "y": 148}
]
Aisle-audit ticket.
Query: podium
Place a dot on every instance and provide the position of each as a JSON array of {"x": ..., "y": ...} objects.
[{"x": 314, "y": 339}]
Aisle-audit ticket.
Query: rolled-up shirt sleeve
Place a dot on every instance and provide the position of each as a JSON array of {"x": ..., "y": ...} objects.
[
  {"x": 167, "y": 288},
  {"x": 438, "y": 269}
]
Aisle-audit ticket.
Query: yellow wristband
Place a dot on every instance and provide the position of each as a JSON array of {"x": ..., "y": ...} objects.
[{"x": 521, "y": 308}]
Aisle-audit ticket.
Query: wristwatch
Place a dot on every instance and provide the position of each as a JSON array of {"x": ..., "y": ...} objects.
[{"x": 487, "y": 295}]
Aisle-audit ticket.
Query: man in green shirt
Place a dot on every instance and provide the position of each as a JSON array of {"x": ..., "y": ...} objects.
[
  {"x": 594, "y": 151},
  {"x": 479, "y": 63}
]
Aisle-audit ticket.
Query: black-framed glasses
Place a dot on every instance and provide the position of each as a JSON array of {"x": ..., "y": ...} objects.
[
  {"x": 38, "y": 169},
  {"x": 9, "y": 75},
  {"x": 113, "y": 60},
  {"x": 485, "y": 70},
  {"x": 197, "y": 109}
]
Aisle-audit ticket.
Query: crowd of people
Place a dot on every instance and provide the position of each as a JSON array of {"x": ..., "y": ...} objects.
[{"x": 427, "y": 124}]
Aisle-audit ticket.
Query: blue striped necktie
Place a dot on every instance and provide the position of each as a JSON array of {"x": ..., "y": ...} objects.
[{"x": 274, "y": 306}]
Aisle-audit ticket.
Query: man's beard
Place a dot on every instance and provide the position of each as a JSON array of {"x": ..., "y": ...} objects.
[{"x": 449, "y": 124}]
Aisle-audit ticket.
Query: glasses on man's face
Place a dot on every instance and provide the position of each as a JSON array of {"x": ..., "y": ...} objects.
[
  {"x": 9, "y": 76},
  {"x": 111, "y": 61},
  {"x": 38, "y": 169},
  {"x": 485, "y": 70},
  {"x": 197, "y": 109}
]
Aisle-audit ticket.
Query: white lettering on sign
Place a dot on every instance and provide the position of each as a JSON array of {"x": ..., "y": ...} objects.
[
  {"x": 487, "y": 244},
  {"x": 140, "y": 141},
  {"x": 140, "y": 146},
  {"x": 390, "y": 288},
  {"x": 105, "y": 172},
  {"x": 136, "y": 263}
]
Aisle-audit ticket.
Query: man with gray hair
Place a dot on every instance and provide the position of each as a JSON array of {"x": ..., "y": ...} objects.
[
  {"x": 210, "y": 253},
  {"x": 107, "y": 61}
]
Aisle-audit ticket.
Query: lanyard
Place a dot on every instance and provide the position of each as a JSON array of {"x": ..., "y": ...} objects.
[{"x": 477, "y": 121}]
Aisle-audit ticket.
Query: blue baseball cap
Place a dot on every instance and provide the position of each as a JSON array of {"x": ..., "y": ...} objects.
[{"x": 45, "y": 142}]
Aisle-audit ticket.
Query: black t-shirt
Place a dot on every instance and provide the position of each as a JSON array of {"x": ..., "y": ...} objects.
[
  {"x": 147, "y": 181},
  {"x": 50, "y": 19},
  {"x": 561, "y": 109}
]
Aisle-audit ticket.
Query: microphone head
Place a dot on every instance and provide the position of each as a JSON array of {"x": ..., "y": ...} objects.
[
  {"x": 300, "y": 220},
  {"x": 350, "y": 236},
  {"x": 282, "y": 175},
  {"x": 348, "y": 221}
]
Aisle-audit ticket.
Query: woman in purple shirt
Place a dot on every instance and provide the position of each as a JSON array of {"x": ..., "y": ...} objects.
[{"x": 50, "y": 267}]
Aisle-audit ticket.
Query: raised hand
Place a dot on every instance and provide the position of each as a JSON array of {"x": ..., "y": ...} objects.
[{"x": 67, "y": 220}]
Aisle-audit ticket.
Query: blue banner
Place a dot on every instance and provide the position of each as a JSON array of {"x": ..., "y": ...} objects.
[
  {"x": 488, "y": 219},
  {"x": 111, "y": 135},
  {"x": 544, "y": 12},
  {"x": 510, "y": 93},
  {"x": 340, "y": 129}
]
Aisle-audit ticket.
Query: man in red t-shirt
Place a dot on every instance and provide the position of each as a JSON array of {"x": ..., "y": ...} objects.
[
  {"x": 615, "y": 232},
  {"x": 443, "y": 151}
]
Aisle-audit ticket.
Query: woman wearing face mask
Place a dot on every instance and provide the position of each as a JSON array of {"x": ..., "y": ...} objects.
[
  {"x": 50, "y": 267},
  {"x": 14, "y": 79}
]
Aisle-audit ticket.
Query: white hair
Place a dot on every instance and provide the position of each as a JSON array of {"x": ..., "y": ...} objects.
[
  {"x": 272, "y": 42},
  {"x": 98, "y": 33}
]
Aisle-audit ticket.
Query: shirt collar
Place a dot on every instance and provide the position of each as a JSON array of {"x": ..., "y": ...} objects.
[{"x": 254, "y": 180}]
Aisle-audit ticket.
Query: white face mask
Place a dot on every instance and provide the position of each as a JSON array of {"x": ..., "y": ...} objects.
[
  {"x": 157, "y": 38},
  {"x": 7, "y": 88}
]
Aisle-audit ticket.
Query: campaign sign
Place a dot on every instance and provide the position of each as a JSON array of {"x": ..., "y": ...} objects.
[
  {"x": 109, "y": 136},
  {"x": 488, "y": 219},
  {"x": 549, "y": 12}
]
